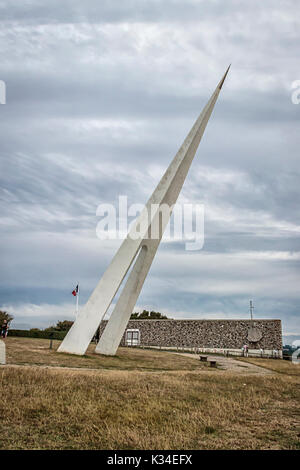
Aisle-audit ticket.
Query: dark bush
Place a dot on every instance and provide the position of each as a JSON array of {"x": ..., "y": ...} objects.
[{"x": 35, "y": 333}]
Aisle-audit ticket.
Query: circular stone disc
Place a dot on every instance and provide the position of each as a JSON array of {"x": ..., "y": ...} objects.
[{"x": 254, "y": 335}]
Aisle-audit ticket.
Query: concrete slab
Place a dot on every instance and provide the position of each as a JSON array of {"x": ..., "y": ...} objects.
[{"x": 2, "y": 352}]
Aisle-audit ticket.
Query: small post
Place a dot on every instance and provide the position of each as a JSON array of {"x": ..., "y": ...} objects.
[
  {"x": 2, "y": 353},
  {"x": 51, "y": 340}
]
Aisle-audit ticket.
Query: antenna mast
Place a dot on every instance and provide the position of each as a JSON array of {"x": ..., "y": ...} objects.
[{"x": 251, "y": 309}]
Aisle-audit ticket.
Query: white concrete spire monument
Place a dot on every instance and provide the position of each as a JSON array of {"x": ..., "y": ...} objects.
[{"x": 140, "y": 247}]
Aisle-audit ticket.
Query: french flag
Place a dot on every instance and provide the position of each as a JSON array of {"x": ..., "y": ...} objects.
[{"x": 75, "y": 291}]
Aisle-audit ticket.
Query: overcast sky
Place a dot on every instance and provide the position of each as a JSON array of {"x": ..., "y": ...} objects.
[{"x": 100, "y": 96}]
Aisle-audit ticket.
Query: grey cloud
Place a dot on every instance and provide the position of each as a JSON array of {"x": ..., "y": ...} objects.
[
  {"x": 132, "y": 10},
  {"x": 99, "y": 97}
]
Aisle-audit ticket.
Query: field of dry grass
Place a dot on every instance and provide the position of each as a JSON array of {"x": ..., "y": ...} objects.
[
  {"x": 279, "y": 366},
  {"x": 146, "y": 408},
  {"x": 36, "y": 351}
]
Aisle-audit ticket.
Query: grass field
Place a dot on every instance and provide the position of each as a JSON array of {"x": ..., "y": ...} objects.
[
  {"x": 36, "y": 351},
  {"x": 281, "y": 367},
  {"x": 124, "y": 405}
]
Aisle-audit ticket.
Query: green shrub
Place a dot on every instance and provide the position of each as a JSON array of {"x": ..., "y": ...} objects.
[{"x": 35, "y": 333}]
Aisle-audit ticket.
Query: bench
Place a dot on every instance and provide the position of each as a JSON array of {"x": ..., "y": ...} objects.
[
  {"x": 213, "y": 363},
  {"x": 203, "y": 358}
]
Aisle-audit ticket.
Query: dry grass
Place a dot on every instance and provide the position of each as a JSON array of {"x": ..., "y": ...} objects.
[
  {"x": 140, "y": 407},
  {"x": 275, "y": 365},
  {"x": 51, "y": 409},
  {"x": 36, "y": 351}
]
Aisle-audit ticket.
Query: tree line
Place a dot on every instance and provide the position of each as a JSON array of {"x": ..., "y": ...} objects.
[{"x": 65, "y": 325}]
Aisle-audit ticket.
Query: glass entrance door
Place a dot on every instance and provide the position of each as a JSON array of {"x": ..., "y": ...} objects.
[{"x": 132, "y": 337}]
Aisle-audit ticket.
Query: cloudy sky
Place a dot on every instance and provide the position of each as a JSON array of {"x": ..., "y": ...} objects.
[{"x": 100, "y": 96}]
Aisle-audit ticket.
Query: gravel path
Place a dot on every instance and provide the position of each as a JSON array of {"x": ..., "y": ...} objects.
[
  {"x": 231, "y": 364},
  {"x": 224, "y": 363}
]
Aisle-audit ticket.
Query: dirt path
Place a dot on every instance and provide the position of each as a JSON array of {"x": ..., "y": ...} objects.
[
  {"x": 63, "y": 369},
  {"x": 231, "y": 364},
  {"x": 224, "y": 363}
]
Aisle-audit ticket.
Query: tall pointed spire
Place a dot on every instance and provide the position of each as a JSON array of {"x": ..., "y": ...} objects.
[
  {"x": 223, "y": 79},
  {"x": 166, "y": 192}
]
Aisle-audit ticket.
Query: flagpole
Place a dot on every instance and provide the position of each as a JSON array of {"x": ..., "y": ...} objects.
[{"x": 77, "y": 300}]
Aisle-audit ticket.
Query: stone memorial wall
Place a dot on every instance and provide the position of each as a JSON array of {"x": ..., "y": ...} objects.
[{"x": 231, "y": 334}]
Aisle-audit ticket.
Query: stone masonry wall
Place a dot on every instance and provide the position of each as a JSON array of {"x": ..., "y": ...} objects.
[{"x": 231, "y": 334}]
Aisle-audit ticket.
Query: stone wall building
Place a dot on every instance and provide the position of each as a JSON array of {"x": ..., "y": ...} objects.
[{"x": 218, "y": 334}]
